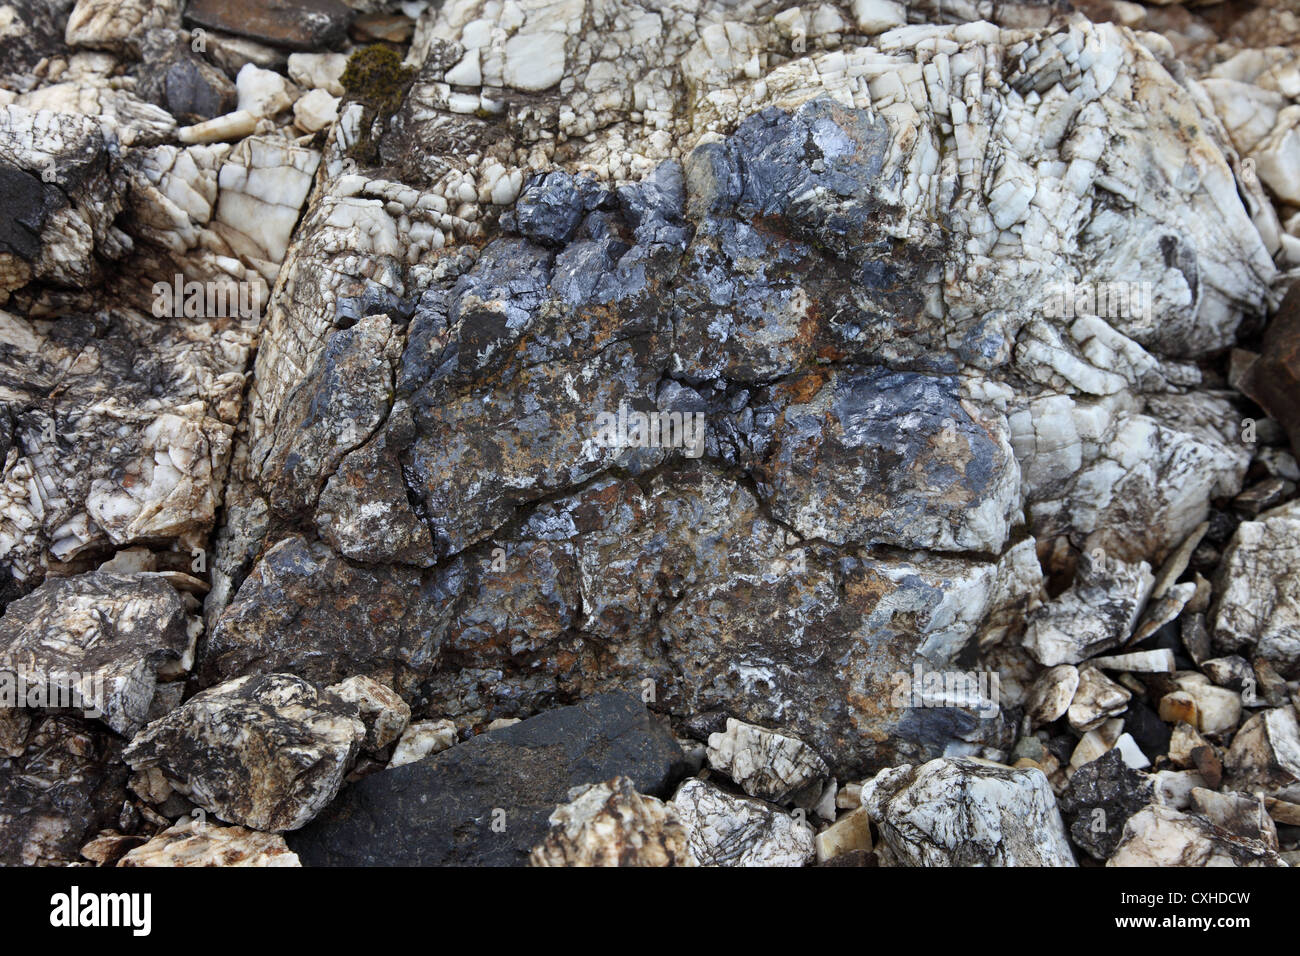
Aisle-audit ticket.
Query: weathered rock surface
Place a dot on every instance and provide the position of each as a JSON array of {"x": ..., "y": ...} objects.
[
  {"x": 1101, "y": 797},
  {"x": 98, "y": 642},
  {"x": 1257, "y": 610},
  {"x": 1163, "y": 836},
  {"x": 193, "y": 842},
  {"x": 383, "y": 621},
  {"x": 768, "y": 765},
  {"x": 488, "y": 800},
  {"x": 266, "y": 752},
  {"x": 67, "y": 783},
  {"x": 797, "y": 366},
  {"x": 1265, "y": 755},
  {"x": 610, "y": 824},
  {"x": 965, "y": 812},
  {"x": 727, "y": 830}
]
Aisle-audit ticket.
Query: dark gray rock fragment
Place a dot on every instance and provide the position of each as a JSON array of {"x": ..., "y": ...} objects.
[
  {"x": 1101, "y": 797},
  {"x": 487, "y": 801}
]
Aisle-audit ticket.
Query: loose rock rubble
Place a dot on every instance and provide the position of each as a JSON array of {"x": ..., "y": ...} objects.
[{"x": 608, "y": 433}]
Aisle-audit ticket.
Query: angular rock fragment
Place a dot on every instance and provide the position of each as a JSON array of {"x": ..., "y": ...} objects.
[
  {"x": 1159, "y": 661},
  {"x": 1097, "y": 699},
  {"x": 383, "y": 712},
  {"x": 727, "y": 830},
  {"x": 1102, "y": 795},
  {"x": 1163, "y": 836},
  {"x": 67, "y": 784},
  {"x": 1212, "y": 710},
  {"x": 1240, "y": 814},
  {"x": 266, "y": 752},
  {"x": 422, "y": 738},
  {"x": 98, "y": 642},
  {"x": 296, "y": 24},
  {"x": 965, "y": 812},
  {"x": 193, "y": 842},
  {"x": 767, "y": 764},
  {"x": 1096, "y": 613},
  {"x": 1052, "y": 693},
  {"x": 610, "y": 824},
  {"x": 488, "y": 800},
  {"x": 850, "y": 834},
  {"x": 1256, "y": 590},
  {"x": 1265, "y": 755}
]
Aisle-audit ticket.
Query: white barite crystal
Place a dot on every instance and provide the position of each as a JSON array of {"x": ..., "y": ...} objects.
[
  {"x": 534, "y": 61},
  {"x": 1258, "y": 607},
  {"x": 1095, "y": 613},
  {"x": 121, "y": 114},
  {"x": 768, "y": 764},
  {"x": 1131, "y": 753},
  {"x": 421, "y": 739},
  {"x": 171, "y": 487},
  {"x": 610, "y": 824},
  {"x": 263, "y": 185},
  {"x": 315, "y": 110},
  {"x": 383, "y": 711},
  {"x": 262, "y": 92},
  {"x": 318, "y": 71},
  {"x": 967, "y": 812},
  {"x": 1160, "y": 661},
  {"x": 467, "y": 72},
  {"x": 229, "y": 126},
  {"x": 1052, "y": 693},
  {"x": 1277, "y": 156},
  {"x": 726, "y": 830},
  {"x": 195, "y": 842},
  {"x": 876, "y": 16},
  {"x": 1163, "y": 836},
  {"x": 118, "y": 25},
  {"x": 1097, "y": 699},
  {"x": 1265, "y": 755}
]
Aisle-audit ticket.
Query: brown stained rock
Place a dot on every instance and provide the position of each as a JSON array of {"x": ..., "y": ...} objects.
[
  {"x": 267, "y": 752},
  {"x": 1208, "y": 765},
  {"x": 1274, "y": 379},
  {"x": 296, "y": 24}
]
